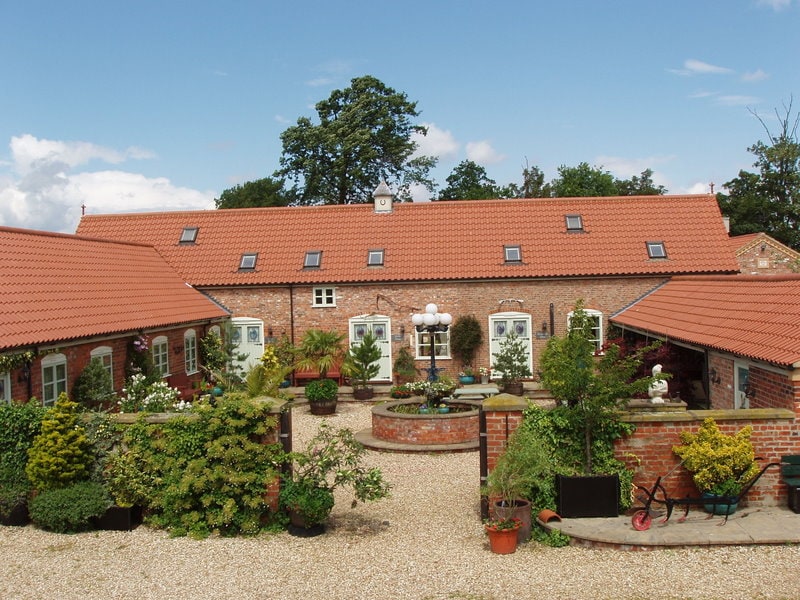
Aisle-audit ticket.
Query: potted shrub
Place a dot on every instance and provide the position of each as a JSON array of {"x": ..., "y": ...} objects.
[
  {"x": 503, "y": 535},
  {"x": 331, "y": 459},
  {"x": 590, "y": 392},
  {"x": 321, "y": 395},
  {"x": 362, "y": 361},
  {"x": 511, "y": 362},
  {"x": 466, "y": 376},
  {"x": 720, "y": 464},
  {"x": 523, "y": 467},
  {"x": 405, "y": 369}
]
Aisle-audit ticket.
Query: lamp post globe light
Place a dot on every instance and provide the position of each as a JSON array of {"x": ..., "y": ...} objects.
[{"x": 432, "y": 322}]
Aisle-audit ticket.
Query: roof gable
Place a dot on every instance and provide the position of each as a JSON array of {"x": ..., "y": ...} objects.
[
  {"x": 435, "y": 240},
  {"x": 59, "y": 287},
  {"x": 752, "y": 316}
]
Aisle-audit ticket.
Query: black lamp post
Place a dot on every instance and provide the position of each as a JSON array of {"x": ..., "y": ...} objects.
[{"x": 432, "y": 322}]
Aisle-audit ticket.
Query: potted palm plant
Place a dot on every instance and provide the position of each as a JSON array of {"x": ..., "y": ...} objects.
[
  {"x": 321, "y": 351},
  {"x": 362, "y": 364}
]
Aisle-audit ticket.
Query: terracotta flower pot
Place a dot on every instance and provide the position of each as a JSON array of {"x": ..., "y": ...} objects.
[{"x": 502, "y": 541}]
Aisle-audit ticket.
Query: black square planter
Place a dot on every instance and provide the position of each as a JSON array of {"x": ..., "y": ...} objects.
[
  {"x": 588, "y": 495},
  {"x": 794, "y": 498},
  {"x": 119, "y": 518},
  {"x": 17, "y": 517}
]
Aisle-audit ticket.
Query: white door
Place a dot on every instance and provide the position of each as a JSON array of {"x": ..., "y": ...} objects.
[
  {"x": 742, "y": 385},
  {"x": 380, "y": 326},
  {"x": 501, "y": 325},
  {"x": 248, "y": 338}
]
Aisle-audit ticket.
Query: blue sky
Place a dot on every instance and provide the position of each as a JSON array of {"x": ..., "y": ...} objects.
[{"x": 161, "y": 105}]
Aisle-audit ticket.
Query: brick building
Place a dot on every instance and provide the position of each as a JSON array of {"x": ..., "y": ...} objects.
[
  {"x": 518, "y": 265},
  {"x": 760, "y": 254},
  {"x": 67, "y": 299}
]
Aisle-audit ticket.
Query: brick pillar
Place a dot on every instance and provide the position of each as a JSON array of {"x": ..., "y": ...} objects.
[{"x": 500, "y": 417}]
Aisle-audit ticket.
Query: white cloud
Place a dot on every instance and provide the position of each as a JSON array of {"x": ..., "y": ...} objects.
[
  {"x": 776, "y": 5},
  {"x": 44, "y": 190},
  {"x": 483, "y": 153},
  {"x": 625, "y": 168},
  {"x": 754, "y": 76},
  {"x": 439, "y": 142},
  {"x": 692, "y": 66},
  {"x": 734, "y": 100}
]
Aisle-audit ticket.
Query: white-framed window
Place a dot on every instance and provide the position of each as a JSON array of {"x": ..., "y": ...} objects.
[
  {"x": 105, "y": 355},
  {"x": 54, "y": 377},
  {"x": 5, "y": 388},
  {"x": 375, "y": 258},
  {"x": 513, "y": 254},
  {"x": 324, "y": 296},
  {"x": 441, "y": 344},
  {"x": 161, "y": 355},
  {"x": 595, "y": 318},
  {"x": 190, "y": 351},
  {"x": 656, "y": 250}
]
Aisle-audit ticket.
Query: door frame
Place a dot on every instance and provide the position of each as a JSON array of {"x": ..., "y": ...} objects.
[{"x": 384, "y": 341}]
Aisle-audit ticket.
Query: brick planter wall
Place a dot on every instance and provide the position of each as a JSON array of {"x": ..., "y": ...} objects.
[
  {"x": 449, "y": 428},
  {"x": 649, "y": 450}
]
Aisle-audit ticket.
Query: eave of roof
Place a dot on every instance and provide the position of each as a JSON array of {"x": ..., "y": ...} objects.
[
  {"x": 750, "y": 316},
  {"x": 461, "y": 240},
  {"x": 59, "y": 288}
]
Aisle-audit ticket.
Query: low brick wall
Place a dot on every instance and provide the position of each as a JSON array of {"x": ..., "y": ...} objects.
[
  {"x": 449, "y": 428},
  {"x": 648, "y": 451}
]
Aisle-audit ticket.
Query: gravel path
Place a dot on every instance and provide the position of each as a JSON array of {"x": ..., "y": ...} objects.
[{"x": 425, "y": 542}]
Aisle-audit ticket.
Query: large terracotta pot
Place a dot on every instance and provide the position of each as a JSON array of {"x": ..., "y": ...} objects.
[{"x": 520, "y": 510}]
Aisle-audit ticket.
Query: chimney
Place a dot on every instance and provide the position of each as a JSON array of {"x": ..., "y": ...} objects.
[
  {"x": 383, "y": 198},
  {"x": 727, "y": 222}
]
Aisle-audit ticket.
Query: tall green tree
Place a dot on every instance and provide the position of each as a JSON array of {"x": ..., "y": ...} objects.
[
  {"x": 364, "y": 135},
  {"x": 469, "y": 181},
  {"x": 641, "y": 185},
  {"x": 583, "y": 180},
  {"x": 252, "y": 194},
  {"x": 769, "y": 200}
]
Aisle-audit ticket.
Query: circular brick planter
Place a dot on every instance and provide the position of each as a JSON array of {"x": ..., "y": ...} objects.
[{"x": 430, "y": 429}]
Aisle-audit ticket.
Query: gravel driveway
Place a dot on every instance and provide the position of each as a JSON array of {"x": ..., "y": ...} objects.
[{"x": 425, "y": 542}]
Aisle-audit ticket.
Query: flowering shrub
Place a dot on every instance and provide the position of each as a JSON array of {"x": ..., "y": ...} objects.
[
  {"x": 720, "y": 464},
  {"x": 400, "y": 391},
  {"x": 270, "y": 359},
  {"x": 141, "y": 396},
  {"x": 484, "y": 371}
]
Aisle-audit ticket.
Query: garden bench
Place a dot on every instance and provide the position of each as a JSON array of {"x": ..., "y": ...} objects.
[
  {"x": 302, "y": 377},
  {"x": 790, "y": 473}
]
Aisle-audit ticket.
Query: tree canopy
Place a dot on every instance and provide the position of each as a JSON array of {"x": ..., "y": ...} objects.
[
  {"x": 769, "y": 200},
  {"x": 251, "y": 194},
  {"x": 364, "y": 135},
  {"x": 469, "y": 181}
]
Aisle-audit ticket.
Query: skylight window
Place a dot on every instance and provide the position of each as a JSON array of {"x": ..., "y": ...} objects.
[
  {"x": 375, "y": 258},
  {"x": 513, "y": 254},
  {"x": 313, "y": 259},
  {"x": 189, "y": 235},
  {"x": 574, "y": 222},
  {"x": 656, "y": 250},
  {"x": 248, "y": 262}
]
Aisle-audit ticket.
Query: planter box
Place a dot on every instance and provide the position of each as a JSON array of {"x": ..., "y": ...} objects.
[
  {"x": 588, "y": 496},
  {"x": 794, "y": 498},
  {"x": 18, "y": 517},
  {"x": 119, "y": 518}
]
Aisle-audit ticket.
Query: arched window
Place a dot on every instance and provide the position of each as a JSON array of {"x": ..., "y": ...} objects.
[
  {"x": 104, "y": 354},
  {"x": 161, "y": 355},
  {"x": 190, "y": 351},
  {"x": 54, "y": 377}
]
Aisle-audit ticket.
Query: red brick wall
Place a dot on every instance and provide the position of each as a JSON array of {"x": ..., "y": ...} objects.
[
  {"x": 290, "y": 311},
  {"x": 649, "y": 450},
  {"x": 79, "y": 355},
  {"x": 454, "y": 428},
  {"x": 770, "y": 261}
]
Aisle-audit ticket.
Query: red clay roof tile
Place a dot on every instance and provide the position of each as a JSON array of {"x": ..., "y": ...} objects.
[
  {"x": 752, "y": 316},
  {"x": 435, "y": 240},
  {"x": 60, "y": 287}
]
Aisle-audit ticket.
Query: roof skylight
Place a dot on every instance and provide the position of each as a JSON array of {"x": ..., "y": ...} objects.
[
  {"x": 189, "y": 235},
  {"x": 248, "y": 261},
  {"x": 313, "y": 259},
  {"x": 656, "y": 250}
]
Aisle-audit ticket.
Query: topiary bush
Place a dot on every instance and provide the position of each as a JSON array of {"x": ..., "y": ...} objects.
[
  {"x": 61, "y": 453},
  {"x": 69, "y": 509}
]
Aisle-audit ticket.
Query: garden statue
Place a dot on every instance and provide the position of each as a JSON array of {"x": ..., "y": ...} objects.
[{"x": 658, "y": 388}]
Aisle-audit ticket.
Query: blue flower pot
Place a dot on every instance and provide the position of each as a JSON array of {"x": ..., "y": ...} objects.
[{"x": 716, "y": 508}]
